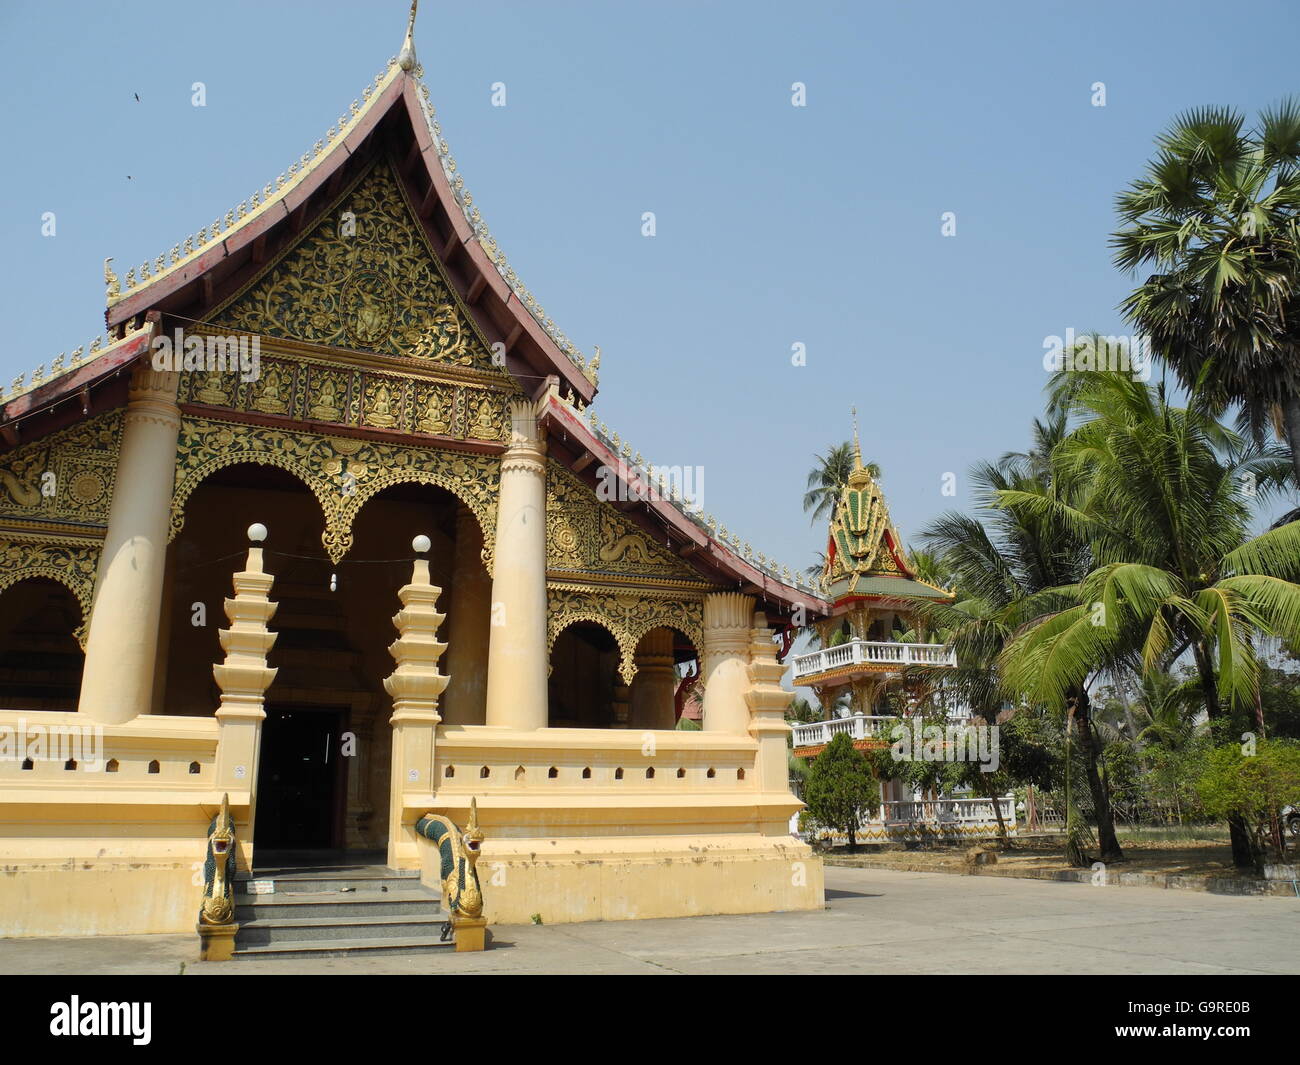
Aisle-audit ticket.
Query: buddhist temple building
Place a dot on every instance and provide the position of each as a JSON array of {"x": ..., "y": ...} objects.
[
  {"x": 873, "y": 591},
  {"x": 214, "y": 529},
  {"x": 872, "y": 662}
]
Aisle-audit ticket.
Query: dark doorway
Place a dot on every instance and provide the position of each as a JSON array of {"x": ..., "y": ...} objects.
[{"x": 302, "y": 781}]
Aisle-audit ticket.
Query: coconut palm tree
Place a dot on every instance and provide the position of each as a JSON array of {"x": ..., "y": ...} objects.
[
  {"x": 1164, "y": 708},
  {"x": 826, "y": 480},
  {"x": 1159, "y": 500},
  {"x": 1007, "y": 567},
  {"x": 1215, "y": 218}
]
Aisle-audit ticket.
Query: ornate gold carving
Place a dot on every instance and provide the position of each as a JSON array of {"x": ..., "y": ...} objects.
[
  {"x": 586, "y": 535},
  {"x": 382, "y": 405},
  {"x": 434, "y": 408},
  {"x": 342, "y": 472},
  {"x": 317, "y": 391},
  {"x": 628, "y": 615},
  {"x": 67, "y": 476},
  {"x": 363, "y": 277},
  {"x": 69, "y": 561}
]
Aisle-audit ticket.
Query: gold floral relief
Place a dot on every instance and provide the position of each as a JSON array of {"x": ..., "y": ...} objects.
[
  {"x": 587, "y": 535},
  {"x": 68, "y": 561},
  {"x": 67, "y": 476},
  {"x": 341, "y": 472},
  {"x": 364, "y": 278},
  {"x": 627, "y": 615}
]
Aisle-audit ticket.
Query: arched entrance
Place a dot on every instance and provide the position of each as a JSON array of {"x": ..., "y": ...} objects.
[
  {"x": 584, "y": 688},
  {"x": 325, "y": 754},
  {"x": 40, "y": 659},
  {"x": 667, "y": 664}
]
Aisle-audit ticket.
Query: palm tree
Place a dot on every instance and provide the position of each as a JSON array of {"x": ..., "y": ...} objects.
[
  {"x": 1159, "y": 501},
  {"x": 827, "y": 479},
  {"x": 1164, "y": 708},
  {"x": 1046, "y": 435},
  {"x": 1216, "y": 218},
  {"x": 1005, "y": 567}
]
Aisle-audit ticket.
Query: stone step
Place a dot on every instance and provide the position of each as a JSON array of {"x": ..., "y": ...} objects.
[
  {"x": 326, "y": 883},
  {"x": 335, "y": 906},
  {"x": 343, "y": 948},
  {"x": 280, "y": 931},
  {"x": 320, "y": 904}
]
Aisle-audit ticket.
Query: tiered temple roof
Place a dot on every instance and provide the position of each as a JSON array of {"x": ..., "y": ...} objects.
[
  {"x": 865, "y": 557},
  {"x": 394, "y": 119}
]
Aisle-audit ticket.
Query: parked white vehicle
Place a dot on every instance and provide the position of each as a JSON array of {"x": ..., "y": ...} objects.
[{"x": 1291, "y": 819}]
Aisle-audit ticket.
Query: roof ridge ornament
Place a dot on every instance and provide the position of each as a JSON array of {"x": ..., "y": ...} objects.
[
  {"x": 859, "y": 475},
  {"x": 406, "y": 57}
]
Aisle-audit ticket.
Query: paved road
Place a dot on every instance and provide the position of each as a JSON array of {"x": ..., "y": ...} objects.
[{"x": 876, "y": 921}]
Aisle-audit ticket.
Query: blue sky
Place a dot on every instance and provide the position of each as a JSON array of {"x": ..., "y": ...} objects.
[{"x": 776, "y": 225}]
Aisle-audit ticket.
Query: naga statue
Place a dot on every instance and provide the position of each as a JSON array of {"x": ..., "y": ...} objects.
[
  {"x": 219, "y": 870},
  {"x": 459, "y": 852}
]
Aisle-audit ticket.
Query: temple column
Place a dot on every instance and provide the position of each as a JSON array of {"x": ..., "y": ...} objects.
[
  {"x": 655, "y": 684},
  {"x": 516, "y": 675},
  {"x": 724, "y": 661},
  {"x": 469, "y": 626},
  {"x": 767, "y": 702},
  {"x": 122, "y": 643}
]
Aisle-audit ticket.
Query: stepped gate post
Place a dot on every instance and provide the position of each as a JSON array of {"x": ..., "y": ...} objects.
[{"x": 415, "y": 686}]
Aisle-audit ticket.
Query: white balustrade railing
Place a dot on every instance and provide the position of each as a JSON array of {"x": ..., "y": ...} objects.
[
  {"x": 857, "y": 727},
  {"x": 947, "y": 811},
  {"x": 866, "y": 652}
]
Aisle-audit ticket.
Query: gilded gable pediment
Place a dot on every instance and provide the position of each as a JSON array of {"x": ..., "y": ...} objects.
[
  {"x": 364, "y": 278},
  {"x": 587, "y": 535}
]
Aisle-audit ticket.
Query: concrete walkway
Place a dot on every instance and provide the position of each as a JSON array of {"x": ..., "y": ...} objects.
[{"x": 877, "y": 921}]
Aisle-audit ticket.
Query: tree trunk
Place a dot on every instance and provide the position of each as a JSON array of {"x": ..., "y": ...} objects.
[
  {"x": 1291, "y": 422},
  {"x": 1106, "y": 838},
  {"x": 1243, "y": 850},
  {"x": 1003, "y": 839}
]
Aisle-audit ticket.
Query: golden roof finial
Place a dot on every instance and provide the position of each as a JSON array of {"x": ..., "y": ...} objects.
[
  {"x": 860, "y": 474},
  {"x": 406, "y": 57}
]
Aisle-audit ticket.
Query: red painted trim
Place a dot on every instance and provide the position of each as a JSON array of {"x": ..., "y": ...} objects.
[{"x": 557, "y": 413}]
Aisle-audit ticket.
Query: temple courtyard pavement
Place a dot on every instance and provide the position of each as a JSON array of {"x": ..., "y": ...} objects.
[{"x": 876, "y": 921}]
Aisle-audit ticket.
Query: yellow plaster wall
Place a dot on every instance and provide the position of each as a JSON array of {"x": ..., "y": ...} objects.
[{"x": 630, "y": 878}]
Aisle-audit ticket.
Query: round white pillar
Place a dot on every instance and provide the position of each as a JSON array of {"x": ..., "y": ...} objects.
[
  {"x": 122, "y": 643},
  {"x": 516, "y": 680}
]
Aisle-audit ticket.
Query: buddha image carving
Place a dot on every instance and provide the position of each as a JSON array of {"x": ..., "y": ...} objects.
[
  {"x": 326, "y": 406},
  {"x": 483, "y": 426},
  {"x": 272, "y": 396},
  {"x": 381, "y": 407},
  {"x": 212, "y": 390},
  {"x": 368, "y": 308},
  {"x": 433, "y": 414}
]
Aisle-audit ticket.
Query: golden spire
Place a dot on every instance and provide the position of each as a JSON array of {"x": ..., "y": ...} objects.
[
  {"x": 406, "y": 57},
  {"x": 860, "y": 474}
]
